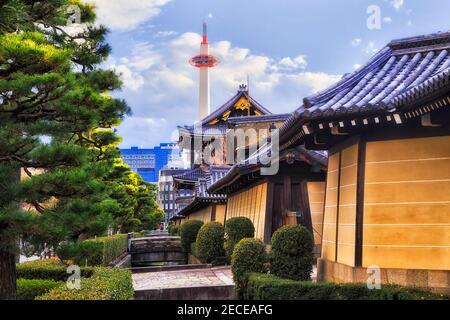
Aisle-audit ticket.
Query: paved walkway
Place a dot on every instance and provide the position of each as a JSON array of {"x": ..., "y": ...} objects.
[{"x": 208, "y": 277}]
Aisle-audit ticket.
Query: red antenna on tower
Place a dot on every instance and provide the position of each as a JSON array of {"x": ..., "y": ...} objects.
[{"x": 204, "y": 60}]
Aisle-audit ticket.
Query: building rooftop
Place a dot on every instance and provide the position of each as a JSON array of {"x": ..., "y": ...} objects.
[
  {"x": 255, "y": 162},
  {"x": 259, "y": 119},
  {"x": 403, "y": 74},
  {"x": 201, "y": 195},
  {"x": 241, "y": 104}
]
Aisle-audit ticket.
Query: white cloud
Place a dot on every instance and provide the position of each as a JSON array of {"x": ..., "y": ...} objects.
[
  {"x": 210, "y": 15},
  {"x": 131, "y": 80},
  {"x": 295, "y": 64},
  {"x": 163, "y": 34},
  {"x": 161, "y": 84},
  {"x": 356, "y": 66},
  {"x": 387, "y": 20},
  {"x": 397, "y": 4},
  {"x": 370, "y": 48},
  {"x": 127, "y": 14},
  {"x": 356, "y": 42}
]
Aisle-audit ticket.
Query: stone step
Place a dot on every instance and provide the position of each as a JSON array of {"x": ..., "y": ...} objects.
[
  {"x": 169, "y": 268},
  {"x": 184, "y": 283},
  {"x": 224, "y": 292}
]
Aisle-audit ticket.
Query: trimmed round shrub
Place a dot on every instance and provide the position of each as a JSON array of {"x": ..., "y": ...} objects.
[
  {"x": 237, "y": 229},
  {"x": 249, "y": 256},
  {"x": 188, "y": 233},
  {"x": 210, "y": 241},
  {"x": 194, "y": 249},
  {"x": 174, "y": 230},
  {"x": 292, "y": 253}
]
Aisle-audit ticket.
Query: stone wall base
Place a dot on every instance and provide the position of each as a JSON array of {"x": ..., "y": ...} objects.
[{"x": 434, "y": 280}]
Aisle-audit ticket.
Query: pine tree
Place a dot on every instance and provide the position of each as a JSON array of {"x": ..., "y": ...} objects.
[
  {"x": 136, "y": 209},
  {"x": 53, "y": 97}
]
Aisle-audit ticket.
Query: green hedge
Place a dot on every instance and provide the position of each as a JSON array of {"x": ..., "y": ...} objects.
[
  {"x": 237, "y": 229},
  {"x": 29, "y": 289},
  {"x": 112, "y": 247},
  {"x": 269, "y": 287},
  {"x": 105, "y": 284},
  {"x": 292, "y": 253},
  {"x": 210, "y": 242},
  {"x": 188, "y": 233},
  {"x": 48, "y": 269},
  {"x": 194, "y": 249},
  {"x": 95, "y": 252},
  {"x": 249, "y": 256},
  {"x": 174, "y": 230}
]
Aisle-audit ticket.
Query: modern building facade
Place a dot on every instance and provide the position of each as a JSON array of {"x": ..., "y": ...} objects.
[
  {"x": 148, "y": 162},
  {"x": 167, "y": 195}
]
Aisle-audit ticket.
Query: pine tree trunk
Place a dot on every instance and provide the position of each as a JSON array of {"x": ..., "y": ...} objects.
[
  {"x": 8, "y": 274},
  {"x": 8, "y": 245}
]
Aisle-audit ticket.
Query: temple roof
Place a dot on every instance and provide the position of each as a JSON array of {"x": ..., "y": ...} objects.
[
  {"x": 201, "y": 195},
  {"x": 255, "y": 162},
  {"x": 403, "y": 67},
  {"x": 263, "y": 118},
  {"x": 405, "y": 71},
  {"x": 241, "y": 104},
  {"x": 190, "y": 175}
]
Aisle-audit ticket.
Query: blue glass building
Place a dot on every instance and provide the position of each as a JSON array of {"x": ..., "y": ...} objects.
[{"x": 148, "y": 162}]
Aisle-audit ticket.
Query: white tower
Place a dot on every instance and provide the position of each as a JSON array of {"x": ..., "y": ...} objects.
[
  {"x": 204, "y": 103},
  {"x": 204, "y": 61}
]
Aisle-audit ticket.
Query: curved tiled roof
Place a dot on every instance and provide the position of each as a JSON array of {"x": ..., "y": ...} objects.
[
  {"x": 394, "y": 71},
  {"x": 203, "y": 182},
  {"x": 259, "y": 159},
  {"x": 203, "y": 126},
  {"x": 230, "y": 103},
  {"x": 212, "y": 130},
  {"x": 263, "y": 118},
  {"x": 404, "y": 71},
  {"x": 191, "y": 175}
]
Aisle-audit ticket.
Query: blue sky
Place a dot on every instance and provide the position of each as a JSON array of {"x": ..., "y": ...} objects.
[{"x": 289, "y": 49}]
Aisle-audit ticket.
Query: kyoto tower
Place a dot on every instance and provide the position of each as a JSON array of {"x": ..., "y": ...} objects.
[{"x": 204, "y": 61}]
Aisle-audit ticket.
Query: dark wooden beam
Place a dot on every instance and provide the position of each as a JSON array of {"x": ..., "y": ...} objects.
[
  {"x": 213, "y": 212},
  {"x": 269, "y": 213},
  {"x": 337, "y": 206},
  {"x": 360, "y": 202},
  {"x": 306, "y": 210},
  {"x": 287, "y": 193}
]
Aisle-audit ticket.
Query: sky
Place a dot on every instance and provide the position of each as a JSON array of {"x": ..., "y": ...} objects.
[{"x": 289, "y": 49}]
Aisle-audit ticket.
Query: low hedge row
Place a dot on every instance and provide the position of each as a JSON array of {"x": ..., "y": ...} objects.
[
  {"x": 94, "y": 252},
  {"x": 50, "y": 269},
  {"x": 105, "y": 284},
  {"x": 268, "y": 287},
  {"x": 112, "y": 247},
  {"x": 29, "y": 289}
]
